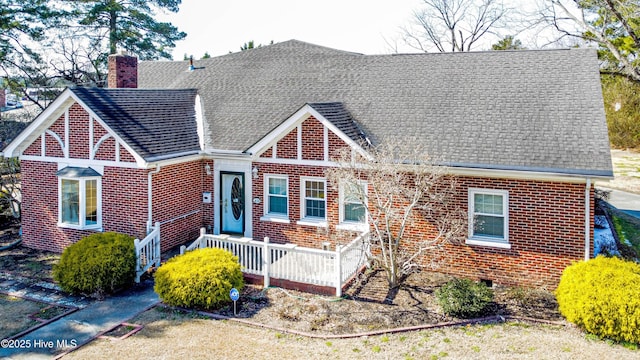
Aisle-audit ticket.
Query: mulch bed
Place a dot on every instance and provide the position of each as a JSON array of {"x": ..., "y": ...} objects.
[{"x": 368, "y": 305}]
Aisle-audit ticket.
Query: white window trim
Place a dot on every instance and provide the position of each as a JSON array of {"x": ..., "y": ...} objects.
[
  {"x": 311, "y": 220},
  {"x": 348, "y": 224},
  {"x": 485, "y": 240},
  {"x": 274, "y": 217},
  {"x": 82, "y": 181}
]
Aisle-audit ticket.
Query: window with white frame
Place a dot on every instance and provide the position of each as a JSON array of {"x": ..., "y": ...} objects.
[
  {"x": 276, "y": 195},
  {"x": 352, "y": 209},
  {"x": 488, "y": 217},
  {"x": 314, "y": 201},
  {"x": 79, "y": 198}
]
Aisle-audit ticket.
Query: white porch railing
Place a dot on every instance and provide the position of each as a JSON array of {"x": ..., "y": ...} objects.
[
  {"x": 292, "y": 262},
  {"x": 147, "y": 250}
]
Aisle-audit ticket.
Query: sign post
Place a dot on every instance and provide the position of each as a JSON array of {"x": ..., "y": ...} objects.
[{"x": 235, "y": 295}]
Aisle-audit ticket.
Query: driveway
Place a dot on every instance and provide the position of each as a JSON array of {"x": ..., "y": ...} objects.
[{"x": 625, "y": 201}]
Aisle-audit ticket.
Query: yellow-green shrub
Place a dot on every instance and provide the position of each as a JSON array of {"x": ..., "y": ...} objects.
[
  {"x": 200, "y": 278},
  {"x": 602, "y": 296},
  {"x": 97, "y": 264}
]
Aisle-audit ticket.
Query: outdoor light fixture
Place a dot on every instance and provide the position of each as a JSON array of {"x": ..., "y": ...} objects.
[
  {"x": 207, "y": 168},
  {"x": 254, "y": 172}
]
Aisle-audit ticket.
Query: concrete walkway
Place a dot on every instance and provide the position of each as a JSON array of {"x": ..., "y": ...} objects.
[
  {"x": 625, "y": 201},
  {"x": 83, "y": 325}
]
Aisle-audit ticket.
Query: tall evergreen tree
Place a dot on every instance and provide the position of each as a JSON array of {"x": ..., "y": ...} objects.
[
  {"x": 612, "y": 24},
  {"x": 130, "y": 25},
  {"x": 22, "y": 23},
  {"x": 508, "y": 43}
]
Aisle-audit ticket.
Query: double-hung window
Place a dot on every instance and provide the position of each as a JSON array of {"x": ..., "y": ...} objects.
[
  {"x": 79, "y": 198},
  {"x": 353, "y": 213},
  {"x": 276, "y": 197},
  {"x": 314, "y": 201},
  {"x": 489, "y": 218}
]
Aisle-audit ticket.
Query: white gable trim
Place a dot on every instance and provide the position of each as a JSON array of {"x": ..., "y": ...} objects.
[
  {"x": 63, "y": 146},
  {"x": 119, "y": 141},
  {"x": 294, "y": 121},
  {"x": 39, "y": 125},
  {"x": 60, "y": 107}
]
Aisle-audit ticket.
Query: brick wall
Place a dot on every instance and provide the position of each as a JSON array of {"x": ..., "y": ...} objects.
[
  {"x": 546, "y": 233},
  {"x": 287, "y": 147},
  {"x": 177, "y": 191},
  {"x": 122, "y": 211},
  {"x": 546, "y": 228},
  {"x": 313, "y": 139},
  {"x": 78, "y": 132},
  {"x": 207, "y": 186},
  {"x": 177, "y": 197},
  {"x": 303, "y": 235},
  {"x": 177, "y": 202}
]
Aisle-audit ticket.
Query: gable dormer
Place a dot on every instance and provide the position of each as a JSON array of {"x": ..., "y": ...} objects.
[{"x": 311, "y": 135}]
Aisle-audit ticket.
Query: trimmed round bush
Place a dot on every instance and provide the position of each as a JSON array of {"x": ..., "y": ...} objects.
[
  {"x": 602, "y": 296},
  {"x": 463, "y": 298},
  {"x": 98, "y": 264},
  {"x": 201, "y": 278}
]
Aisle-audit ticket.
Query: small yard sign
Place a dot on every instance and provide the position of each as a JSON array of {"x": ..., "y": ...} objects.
[{"x": 235, "y": 295}]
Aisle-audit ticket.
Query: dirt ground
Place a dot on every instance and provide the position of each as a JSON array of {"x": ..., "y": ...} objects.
[
  {"x": 28, "y": 263},
  {"x": 168, "y": 334},
  {"x": 369, "y": 306}
]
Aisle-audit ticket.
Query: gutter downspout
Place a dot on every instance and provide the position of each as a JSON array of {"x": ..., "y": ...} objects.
[
  {"x": 587, "y": 220},
  {"x": 150, "y": 196}
]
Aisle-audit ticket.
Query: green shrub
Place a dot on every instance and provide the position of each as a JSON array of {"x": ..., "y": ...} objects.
[
  {"x": 464, "y": 298},
  {"x": 97, "y": 264},
  {"x": 200, "y": 278},
  {"x": 602, "y": 296}
]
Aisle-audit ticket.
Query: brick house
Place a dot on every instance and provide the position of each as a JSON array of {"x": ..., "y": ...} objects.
[{"x": 239, "y": 144}]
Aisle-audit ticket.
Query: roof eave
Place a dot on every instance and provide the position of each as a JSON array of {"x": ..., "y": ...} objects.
[{"x": 529, "y": 173}]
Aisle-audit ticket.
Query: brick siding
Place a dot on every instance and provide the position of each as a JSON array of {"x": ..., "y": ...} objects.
[
  {"x": 546, "y": 219},
  {"x": 177, "y": 202},
  {"x": 546, "y": 229},
  {"x": 177, "y": 191}
]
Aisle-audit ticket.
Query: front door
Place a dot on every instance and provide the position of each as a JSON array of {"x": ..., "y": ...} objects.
[{"x": 232, "y": 203}]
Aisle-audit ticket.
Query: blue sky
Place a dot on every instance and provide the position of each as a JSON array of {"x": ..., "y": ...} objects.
[{"x": 361, "y": 26}]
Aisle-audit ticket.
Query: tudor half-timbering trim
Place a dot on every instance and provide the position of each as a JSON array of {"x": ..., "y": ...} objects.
[
  {"x": 294, "y": 122},
  {"x": 60, "y": 108}
]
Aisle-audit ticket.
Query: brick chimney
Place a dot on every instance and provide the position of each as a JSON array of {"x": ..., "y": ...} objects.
[{"x": 122, "y": 71}]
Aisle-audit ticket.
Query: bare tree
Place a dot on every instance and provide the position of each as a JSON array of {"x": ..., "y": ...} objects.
[
  {"x": 77, "y": 58},
  {"x": 455, "y": 25},
  {"x": 408, "y": 201},
  {"x": 612, "y": 24},
  {"x": 10, "y": 194}
]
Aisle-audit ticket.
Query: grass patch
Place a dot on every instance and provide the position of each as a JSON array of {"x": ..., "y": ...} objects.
[
  {"x": 15, "y": 315},
  {"x": 627, "y": 231}
]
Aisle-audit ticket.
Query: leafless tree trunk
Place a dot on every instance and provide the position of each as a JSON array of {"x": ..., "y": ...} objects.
[
  {"x": 455, "y": 25},
  {"x": 10, "y": 194},
  {"x": 409, "y": 203}
]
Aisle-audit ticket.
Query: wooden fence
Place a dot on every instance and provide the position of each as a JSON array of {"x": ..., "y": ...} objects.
[{"x": 292, "y": 262}]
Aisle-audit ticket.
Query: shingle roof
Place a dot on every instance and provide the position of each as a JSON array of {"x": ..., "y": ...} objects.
[
  {"x": 155, "y": 123},
  {"x": 338, "y": 115},
  {"x": 526, "y": 110},
  {"x": 77, "y": 172}
]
